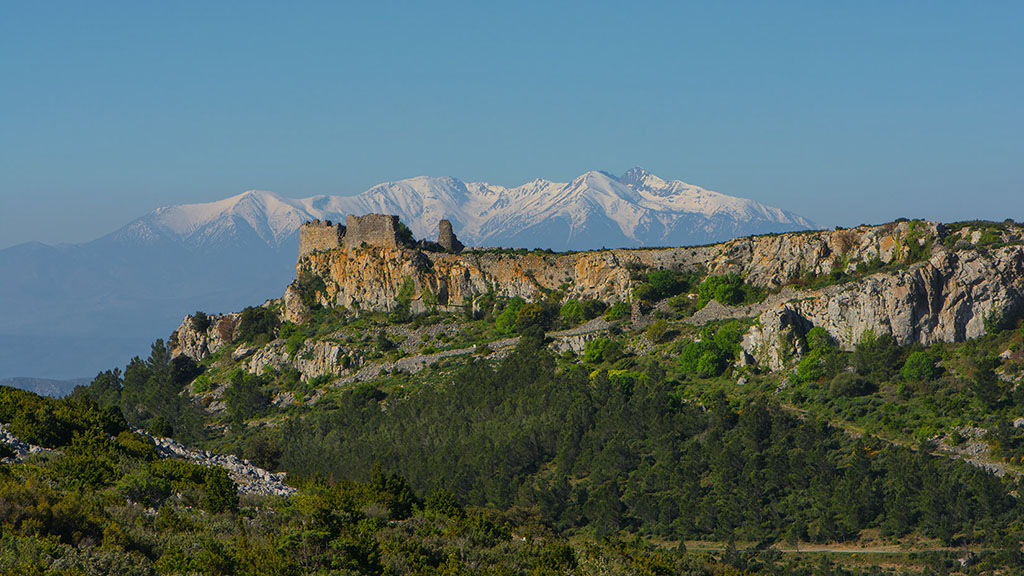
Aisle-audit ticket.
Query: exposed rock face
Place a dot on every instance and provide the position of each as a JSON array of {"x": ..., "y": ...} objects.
[
  {"x": 315, "y": 358},
  {"x": 947, "y": 298},
  {"x": 370, "y": 275},
  {"x": 199, "y": 344},
  {"x": 944, "y": 298}
]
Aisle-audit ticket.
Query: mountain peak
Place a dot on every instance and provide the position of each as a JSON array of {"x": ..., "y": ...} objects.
[{"x": 634, "y": 176}]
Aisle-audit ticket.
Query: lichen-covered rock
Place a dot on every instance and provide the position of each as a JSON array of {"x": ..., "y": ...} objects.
[
  {"x": 200, "y": 343},
  {"x": 952, "y": 297}
]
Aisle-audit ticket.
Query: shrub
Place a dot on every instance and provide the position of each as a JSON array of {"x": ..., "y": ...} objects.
[
  {"x": 657, "y": 331},
  {"x": 850, "y": 384},
  {"x": 257, "y": 322},
  {"x": 617, "y": 310},
  {"x": 819, "y": 339},
  {"x": 506, "y": 320},
  {"x": 571, "y": 312},
  {"x": 245, "y": 397},
  {"x": 200, "y": 321},
  {"x": 220, "y": 493},
  {"x": 602, "y": 350},
  {"x": 876, "y": 357},
  {"x": 402, "y": 311},
  {"x": 308, "y": 285},
  {"x": 920, "y": 367},
  {"x": 728, "y": 289}
]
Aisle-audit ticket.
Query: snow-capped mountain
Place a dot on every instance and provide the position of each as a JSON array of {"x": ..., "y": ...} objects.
[
  {"x": 76, "y": 309},
  {"x": 593, "y": 210}
]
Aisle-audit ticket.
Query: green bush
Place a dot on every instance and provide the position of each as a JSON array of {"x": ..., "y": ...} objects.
[
  {"x": 220, "y": 493},
  {"x": 200, "y": 321},
  {"x": 572, "y": 312},
  {"x": 850, "y": 384},
  {"x": 617, "y": 310},
  {"x": 245, "y": 397},
  {"x": 506, "y": 319},
  {"x": 729, "y": 290},
  {"x": 712, "y": 354},
  {"x": 257, "y": 323},
  {"x": 602, "y": 350},
  {"x": 920, "y": 367},
  {"x": 877, "y": 357}
]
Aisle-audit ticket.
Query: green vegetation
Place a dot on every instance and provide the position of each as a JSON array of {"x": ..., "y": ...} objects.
[
  {"x": 648, "y": 449},
  {"x": 729, "y": 290},
  {"x": 257, "y": 325}
]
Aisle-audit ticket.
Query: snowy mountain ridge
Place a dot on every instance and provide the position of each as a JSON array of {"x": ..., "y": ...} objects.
[{"x": 593, "y": 210}]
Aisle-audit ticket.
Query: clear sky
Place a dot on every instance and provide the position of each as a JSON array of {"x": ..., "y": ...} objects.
[{"x": 845, "y": 112}]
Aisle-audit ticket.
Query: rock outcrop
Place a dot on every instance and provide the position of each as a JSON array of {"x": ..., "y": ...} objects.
[
  {"x": 198, "y": 340},
  {"x": 933, "y": 284},
  {"x": 248, "y": 478},
  {"x": 953, "y": 296}
]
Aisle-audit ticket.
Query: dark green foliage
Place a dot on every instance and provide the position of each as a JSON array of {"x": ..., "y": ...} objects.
[
  {"x": 220, "y": 494},
  {"x": 602, "y": 350},
  {"x": 308, "y": 285},
  {"x": 55, "y": 422},
  {"x": 505, "y": 322},
  {"x": 572, "y": 312},
  {"x": 539, "y": 314},
  {"x": 404, "y": 235},
  {"x": 617, "y": 310},
  {"x": 920, "y": 367},
  {"x": 877, "y": 357},
  {"x": 985, "y": 383},
  {"x": 729, "y": 290},
  {"x": 245, "y": 397},
  {"x": 661, "y": 284},
  {"x": 151, "y": 394},
  {"x": 615, "y": 451},
  {"x": 823, "y": 359},
  {"x": 401, "y": 312},
  {"x": 818, "y": 339},
  {"x": 257, "y": 325},
  {"x": 850, "y": 384},
  {"x": 200, "y": 321},
  {"x": 712, "y": 354}
]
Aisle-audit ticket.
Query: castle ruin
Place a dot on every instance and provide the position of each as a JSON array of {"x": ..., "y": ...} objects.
[
  {"x": 319, "y": 235},
  {"x": 380, "y": 230}
]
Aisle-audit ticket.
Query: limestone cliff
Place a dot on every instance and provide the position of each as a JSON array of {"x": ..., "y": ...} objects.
[
  {"x": 931, "y": 282},
  {"x": 939, "y": 284}
]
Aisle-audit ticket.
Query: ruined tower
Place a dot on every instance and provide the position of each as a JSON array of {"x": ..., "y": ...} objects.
[{"x": 446, "y": 237}]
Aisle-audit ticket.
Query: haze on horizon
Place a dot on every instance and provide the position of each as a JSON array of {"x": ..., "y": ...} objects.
[{"x": 844, "y": 114}]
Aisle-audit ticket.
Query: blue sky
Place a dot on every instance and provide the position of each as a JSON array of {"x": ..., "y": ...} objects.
[{"x": 844, "y": 112}]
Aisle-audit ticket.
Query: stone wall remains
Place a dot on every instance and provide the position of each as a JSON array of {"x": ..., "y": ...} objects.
[
  {"x": 319, "y": 235},
  {"x": 446, "y": 237},
  {"x": 373, "y": 229}
]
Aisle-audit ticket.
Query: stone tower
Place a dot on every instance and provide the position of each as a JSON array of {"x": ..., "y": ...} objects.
[{"x": 446, "y": 237}]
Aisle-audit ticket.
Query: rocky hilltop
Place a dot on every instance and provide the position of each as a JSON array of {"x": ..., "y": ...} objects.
[{"x": 919, "y": 281}]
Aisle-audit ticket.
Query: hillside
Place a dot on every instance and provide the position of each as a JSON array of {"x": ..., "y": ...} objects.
[
  {"x": 843, "y": 399},
  {"x": 83, "y": 307}
]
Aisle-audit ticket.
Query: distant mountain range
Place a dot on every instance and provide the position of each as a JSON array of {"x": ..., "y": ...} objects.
[{"x": 74, "y": 310}]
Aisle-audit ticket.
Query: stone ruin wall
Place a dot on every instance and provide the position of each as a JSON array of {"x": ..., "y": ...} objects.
[
  {"x": 373, "y": 229},
  {"x": 318, "y": 235}
]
